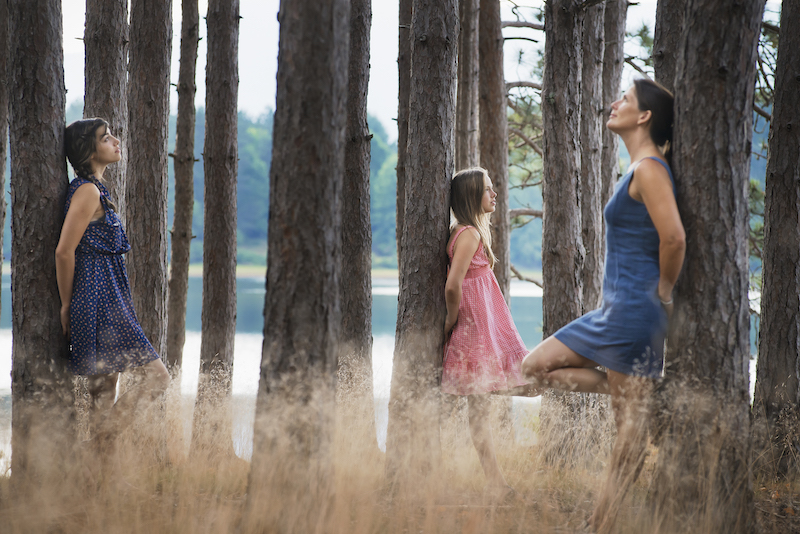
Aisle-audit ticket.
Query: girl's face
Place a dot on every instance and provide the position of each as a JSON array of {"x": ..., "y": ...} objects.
[
  {"x": 488, "y": 201},
  {"x": 106, "y": 148},
  {"x": 625, "y": 113}
]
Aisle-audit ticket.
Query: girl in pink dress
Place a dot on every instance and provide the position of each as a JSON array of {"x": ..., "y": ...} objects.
[{"x": 483, "y": 350}]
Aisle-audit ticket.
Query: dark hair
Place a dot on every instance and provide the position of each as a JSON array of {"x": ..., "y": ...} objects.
[
  {"x": 80, "y": 139},
  {"x": 466, "y": 194},
  {"x": 657, "y": 99}
]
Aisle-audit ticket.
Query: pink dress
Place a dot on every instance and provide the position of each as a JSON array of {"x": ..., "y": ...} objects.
[{"x": 485, "y": 351}]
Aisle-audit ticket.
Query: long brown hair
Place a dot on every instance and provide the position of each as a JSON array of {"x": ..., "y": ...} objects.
[
  {"x": 466, "y": 193},
  {"x": 80, "y": 142},
  {"x": 658, "y": 100}
]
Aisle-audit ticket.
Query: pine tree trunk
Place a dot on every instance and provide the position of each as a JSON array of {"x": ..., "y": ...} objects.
[
  {"x": 613, "y": 61},
  {"x": 148, "y": 115},
  {"x": 777, "y": 395},
  {"x": 412, "y": 446},
  {"x": 355, "y": 357},
  {"x": 183, "y": 162},
  {"x": 4, "y": 88},
  {"x": 403, "y": 91},
  {"x": 703, "y": 473},
  {"x": 667, "y": 40},
  {"x": 212, "y": 417},
  {"x": 294, "y": 412},
  {"x": 494, "y": 134},
  {"x": 467, "y": 112},
  {"x": 106, "y": 82},
  {"x": 43, "y": 416}
]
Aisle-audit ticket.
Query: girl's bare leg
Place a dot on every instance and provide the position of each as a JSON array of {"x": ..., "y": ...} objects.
[
  {"x": 481, "y": 431},
  {"x": 102, "y": 392},
  {"x": 630, "y": 398},
  {"x": 553, "y": 364}
]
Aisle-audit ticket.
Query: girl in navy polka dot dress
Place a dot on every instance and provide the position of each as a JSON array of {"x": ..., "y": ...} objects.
[{"x": 96, "y": 308}]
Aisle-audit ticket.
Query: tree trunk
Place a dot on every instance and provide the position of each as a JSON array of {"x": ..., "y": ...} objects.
[
  {"x": 467, "y": 113},
  {"x": 667, "y": 39},
  {"x": 212, "y": 417},
  {"x": 148, "y": 115},
  {"x": 591, "y": 128},
  {"x": 183, "y": 162},
  {"x": 4, "y": 88},
  {"x": 355, "y": 358},
  {"x": 412, "y": 446},
  {"x": 613, "y": 61},
  {"x": 777, "y": 395},
  {"x": 43, "y": 416},
  {"x": 703, "y": 473},
  {"x": 106, "y": 82},
  {"x": 403, "y": 91},
  {"x": 494, "y": 133},
  {"x": 294, "y": 411}
]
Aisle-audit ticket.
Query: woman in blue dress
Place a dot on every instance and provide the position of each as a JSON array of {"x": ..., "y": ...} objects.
[
  {"x": 645, "y": 244},
  {"x": 97, "y": 312}
]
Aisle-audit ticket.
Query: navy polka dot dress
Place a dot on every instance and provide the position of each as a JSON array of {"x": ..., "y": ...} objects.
[{"x": 105, "y": 336}]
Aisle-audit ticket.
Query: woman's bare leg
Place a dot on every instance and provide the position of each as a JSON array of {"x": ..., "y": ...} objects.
[
  {"x": 102, "y": 393},
  {"x": 553, "y": 364},
  {"x": 481, "y": 431},
  {"x": 630, "y": 398}
]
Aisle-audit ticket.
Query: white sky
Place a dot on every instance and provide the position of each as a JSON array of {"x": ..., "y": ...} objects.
[{"x": 258, "y": 52}]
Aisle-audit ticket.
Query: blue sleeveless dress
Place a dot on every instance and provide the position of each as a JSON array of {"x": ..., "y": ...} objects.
[
  {"x": 105, "y": 336},
  {"x": 626, "y": 334}
]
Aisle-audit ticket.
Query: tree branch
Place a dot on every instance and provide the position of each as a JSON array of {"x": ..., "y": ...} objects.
[
  {"x": 520, "y": 39},
  {"x": 524, "y": 211},
  {"x": 520, "y": 24},
  {"x": 524, "y": 278},
  {"x": 762, "y": 112},
  {"x": 629, "y": 61},
  {"x": 532, "y": 85},
  {"x": 766, "y": 26},
  {"x": 528, "y": 141}
]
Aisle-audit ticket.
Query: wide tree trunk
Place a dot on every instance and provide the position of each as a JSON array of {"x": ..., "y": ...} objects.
[
  {"x": 403, "y": 90},
  {"x": 43, "y": 428},
  {"x": 183, "y": 162},
  {"x": 467, "y": 113},
  {"x": 613, "y": 61},
  {"x": 355, "y": 357},
  {"x": 667, "y": 40},
  {"x": 212, "y": 417},
  {"x": 295, "y": 406},
  {"x": 777, "y": 395},
  {"x": 148, "y": 115},
  {"x": 105, "y": 40},
  {"x": 412, "y": 445},
  {"x": 4, "y": 86},
  {"x": 703, "y": 473},
  {"x": 494, "y": 133}
]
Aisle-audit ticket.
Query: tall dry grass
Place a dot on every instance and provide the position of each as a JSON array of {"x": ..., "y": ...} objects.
[{"x": 132, "y": 490}]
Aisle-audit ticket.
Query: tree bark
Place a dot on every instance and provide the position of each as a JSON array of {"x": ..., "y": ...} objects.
[
  {"x": 403, "y": 91},
  {"x": 613, "y": 61},
  {"x": 4, "y": 89},
  {"x": 703, "y": 473},
  {"x": 183, "y": 162},
  {"x": 494, "y": 134},
  {"x": 591, "y": 129},
  {"x": 777, "y": 394},
  {"x": 148, "y": 115},
  {"x": 412, "y": 446},
  {"x": 43, "y": 428},
  {"x": 105, "y": 40},
  {"x": 667, "y": 40},
  {"x": 294, "y": 411},
  {"x": 355, "y": 357},
  {"x": 212, "y": 417},
  {"x": 467, "y": 111}
]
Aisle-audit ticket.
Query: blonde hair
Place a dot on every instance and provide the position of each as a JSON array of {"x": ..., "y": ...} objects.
[{"x": 466, "y": 194}]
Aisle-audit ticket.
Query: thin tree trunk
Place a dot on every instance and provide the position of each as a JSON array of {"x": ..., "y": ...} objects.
[
  {"x": 667, "y": 39},
  {"x": 148, "y": 115},
  {"x": 212, "y": 417},
  {"x": 703, "y": 473},
  {"x": 183, "y": 162},
  {"x": 403, "y": 91},
  {"x": 494, "y": 134},
  {"x": 294, "y": 411},
  {"x": 106, "y": 81},
  {"x": 43, "y": 415},
  {"x": 467, "y": 112},
  {"x": 412, "y": 446},
  {"x": 613, "y": 61},
  {"x": 4, "y": 89},
  {"x": 777, "y": 395},
  {"x": 355, "y": 357}
]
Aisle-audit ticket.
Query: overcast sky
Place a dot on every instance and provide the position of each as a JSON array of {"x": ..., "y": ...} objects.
[{"x": 258, "y": 52}]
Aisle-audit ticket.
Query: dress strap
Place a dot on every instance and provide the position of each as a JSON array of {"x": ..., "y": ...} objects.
[{"x": 455, "y": 238}]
